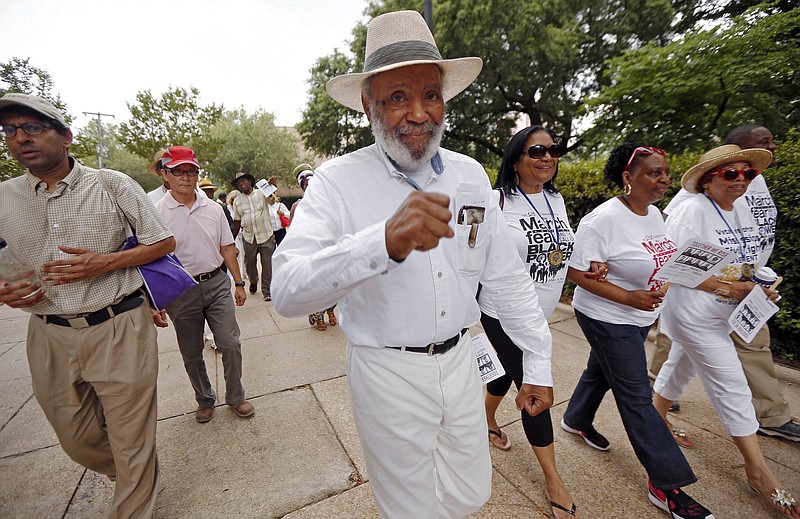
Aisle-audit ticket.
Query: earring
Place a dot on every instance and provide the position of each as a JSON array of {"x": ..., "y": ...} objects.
[{"x": 626, "y": 190}]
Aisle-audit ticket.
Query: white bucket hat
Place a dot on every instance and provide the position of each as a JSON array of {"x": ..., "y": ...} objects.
[{"x": 400, "y": 39}]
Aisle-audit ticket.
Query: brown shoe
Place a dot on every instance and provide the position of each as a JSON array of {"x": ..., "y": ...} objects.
[
  {"x": 244, "y": 409},
  {"x": 204, "y": 414}
]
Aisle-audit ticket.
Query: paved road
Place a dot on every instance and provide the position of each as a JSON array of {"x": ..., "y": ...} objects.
[{"x": 299, "y": 457}]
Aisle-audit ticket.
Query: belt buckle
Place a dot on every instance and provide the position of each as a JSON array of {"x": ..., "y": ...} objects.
[
  {"x": 78, "y": 322},
  {"x": 204, "y": 276}
]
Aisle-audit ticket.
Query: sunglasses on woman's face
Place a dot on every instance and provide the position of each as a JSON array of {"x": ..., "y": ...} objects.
[
  {"x": 732, "y": 174},
  {"x": 644, "y": 150},
  {"x": 537, "y": 151}
]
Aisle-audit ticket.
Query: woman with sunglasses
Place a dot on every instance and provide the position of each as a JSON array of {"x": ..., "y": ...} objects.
[
  {"x": 696, "y": 319},
  {"x": 628, "y": 233},
  {"x": 537, "y": 218}
]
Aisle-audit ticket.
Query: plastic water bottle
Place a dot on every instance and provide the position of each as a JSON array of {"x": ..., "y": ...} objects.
[{"x": 13, "y": 269}]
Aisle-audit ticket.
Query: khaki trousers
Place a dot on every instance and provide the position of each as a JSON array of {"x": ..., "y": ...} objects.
[
  {"x": 97, "y": 388},
  {"x": 771, "y": 407}
]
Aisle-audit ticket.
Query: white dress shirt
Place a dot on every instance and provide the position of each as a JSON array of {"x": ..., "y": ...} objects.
[{"x": 336, "y": 252}]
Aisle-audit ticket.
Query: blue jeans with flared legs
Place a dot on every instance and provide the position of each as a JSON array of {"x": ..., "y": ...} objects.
[{"x": 617, "y": 362}]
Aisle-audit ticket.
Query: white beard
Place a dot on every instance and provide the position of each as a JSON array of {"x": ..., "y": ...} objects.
[{"x": 405, "y": 158}]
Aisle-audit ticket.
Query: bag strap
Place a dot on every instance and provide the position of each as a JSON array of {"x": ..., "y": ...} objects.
[
  {"x": 128, "y": 230},
  {"x": 502, "y": 197}
]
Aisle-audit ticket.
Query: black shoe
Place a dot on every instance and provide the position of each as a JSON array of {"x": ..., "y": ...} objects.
[
  {"x": 253, "y": 289},
  {"x": 788, "y": 431},
  {"x": 677, "y": 503},
  {"x": 590, "y": 436},
  {"x": 675, "y": 407}
]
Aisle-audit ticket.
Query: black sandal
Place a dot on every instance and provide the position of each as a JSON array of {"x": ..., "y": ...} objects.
[{"x": 572, "y": 512}]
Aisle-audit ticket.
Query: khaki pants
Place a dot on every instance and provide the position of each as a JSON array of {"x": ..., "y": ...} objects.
[
  {"x": 97, "y": 388},
  {"x": 771, "y": 407}
]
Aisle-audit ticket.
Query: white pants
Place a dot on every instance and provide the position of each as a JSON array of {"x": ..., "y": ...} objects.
[
  {"x": 422, "y": 424},
  {"x": 723, "y": 378}
]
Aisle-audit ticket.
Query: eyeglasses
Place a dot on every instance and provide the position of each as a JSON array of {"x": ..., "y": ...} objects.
[
  {"x": 179, "y": 173},
  {"x": 9, "y": 131},
  {"x": 732, "y": 174},
  {"x": 644, "y": 150},
  {"x": 538, "y": 151}
]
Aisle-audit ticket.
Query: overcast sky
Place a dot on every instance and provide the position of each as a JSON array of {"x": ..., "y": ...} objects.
[{"x": 253, "y": 53}]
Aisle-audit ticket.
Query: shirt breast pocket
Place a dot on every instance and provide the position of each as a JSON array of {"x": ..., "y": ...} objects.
[{"x": 471, "y": 246}]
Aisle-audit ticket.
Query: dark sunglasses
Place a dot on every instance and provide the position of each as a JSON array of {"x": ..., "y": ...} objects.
[
  {"x": 644, "y": 150},
  {"x": 732, "y": 174},
  {"x": 9, "y": 131},
  {"x": 538, "y": 151}
]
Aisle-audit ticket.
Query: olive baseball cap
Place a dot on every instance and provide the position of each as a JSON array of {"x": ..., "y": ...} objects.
[{"x": 35, "y": 103}]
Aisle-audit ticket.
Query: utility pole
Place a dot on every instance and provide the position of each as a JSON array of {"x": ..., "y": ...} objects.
[
  {"x": 427, "y": 10},
  {"x": 101, "y": 151}
]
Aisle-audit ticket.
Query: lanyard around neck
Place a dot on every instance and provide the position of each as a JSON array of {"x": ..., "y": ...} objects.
[
  {"x": 555, "y": 236},
  {"x": 739, "y": 226}
]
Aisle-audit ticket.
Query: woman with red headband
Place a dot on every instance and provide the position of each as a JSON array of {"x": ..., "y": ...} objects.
[
  {"x": 696, "y": 319},
  {"x": 628, "y": 233}
]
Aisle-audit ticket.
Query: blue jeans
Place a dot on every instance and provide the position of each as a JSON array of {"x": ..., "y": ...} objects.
[{"x": 617, "y": 362}]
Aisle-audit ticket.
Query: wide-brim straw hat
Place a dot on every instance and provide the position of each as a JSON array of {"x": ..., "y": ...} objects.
[
  {"x": 206, "y": 183},
  {"x": 758, "y": 158},
  {"x": 401, "y": 39},
  {"x": 154, "y": 166}
]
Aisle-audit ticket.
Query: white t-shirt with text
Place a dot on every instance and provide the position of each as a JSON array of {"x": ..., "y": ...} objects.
[
  {"x": 635, "y": 248},
  {"x": 534, "y": 237}
]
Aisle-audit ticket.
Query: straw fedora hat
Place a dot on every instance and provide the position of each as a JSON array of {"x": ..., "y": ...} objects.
[
  {"x": 757, "y": 158},
  {"x": 400, "y": 39},
  {"x": 207, "y": 184},
  {"x": 153, "y": 166}
]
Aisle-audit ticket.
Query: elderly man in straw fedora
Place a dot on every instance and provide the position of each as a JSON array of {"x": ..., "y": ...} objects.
[{"x": 382, "y": 230}]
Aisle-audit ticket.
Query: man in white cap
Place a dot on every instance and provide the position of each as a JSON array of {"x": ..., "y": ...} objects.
[
  {"x": 204, "y": 242},
  {"x": 154, "y": 168},
  {"x": 91, "y": 343},
  {"x": 383, "y": 230}
]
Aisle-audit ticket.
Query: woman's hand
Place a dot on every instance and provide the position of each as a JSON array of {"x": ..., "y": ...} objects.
[
  {"x": 646, "y": 300},
  {"x": 598, "y": 271}
]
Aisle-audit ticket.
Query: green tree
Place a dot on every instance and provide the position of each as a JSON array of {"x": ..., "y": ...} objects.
[
  {"x": 176, "y": 118},
  {"x": 328, "y": 126},
  {"x": 249, "y": 142},
  {"x": 18, "y": 75},
  {"x": 679, "y": 96},
  {"x": 117, "y": 157},
  {"x": 541, "y": 61}
]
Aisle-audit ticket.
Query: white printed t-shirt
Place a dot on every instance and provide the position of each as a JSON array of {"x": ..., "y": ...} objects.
[
  {"x": 533, "y": 243},
  {"x": 635, "y": 247},
  {"x": 694, "y": 316},
  {"x": 759, "y": 202}
]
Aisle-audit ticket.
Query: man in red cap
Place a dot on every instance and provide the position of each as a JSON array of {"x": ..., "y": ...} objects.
[{"x": 204, "y": 242}]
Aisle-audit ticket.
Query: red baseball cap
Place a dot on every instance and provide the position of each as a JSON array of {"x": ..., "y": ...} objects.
[{"x": 177, "y": 155}]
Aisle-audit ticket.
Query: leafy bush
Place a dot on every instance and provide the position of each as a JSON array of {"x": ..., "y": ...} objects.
[{"x": 784, "y": 185}]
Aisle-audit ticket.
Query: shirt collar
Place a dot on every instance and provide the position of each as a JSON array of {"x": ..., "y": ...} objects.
[
  {"x": 201, "y": 200},
  {"x": 437, "y": 164},
  {"x": 71, "y": 180}
]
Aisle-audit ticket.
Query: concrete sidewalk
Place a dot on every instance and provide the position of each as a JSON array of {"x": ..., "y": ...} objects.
[{"x": 299, "y": 457}]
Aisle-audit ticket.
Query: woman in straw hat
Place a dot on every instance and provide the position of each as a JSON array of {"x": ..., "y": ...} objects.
[
  {"x": 696, "y": 319},
  {"x": 628, "y": 233}
]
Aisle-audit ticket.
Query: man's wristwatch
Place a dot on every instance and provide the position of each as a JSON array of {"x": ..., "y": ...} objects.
[{"x": 239, "y": 283}]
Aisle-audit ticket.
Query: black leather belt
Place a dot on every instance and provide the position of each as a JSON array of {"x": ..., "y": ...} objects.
[
  {"x": 129, "y": 302},
  {"x": 434, "y": 348},
  {"x": 207, "y": 275}
]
